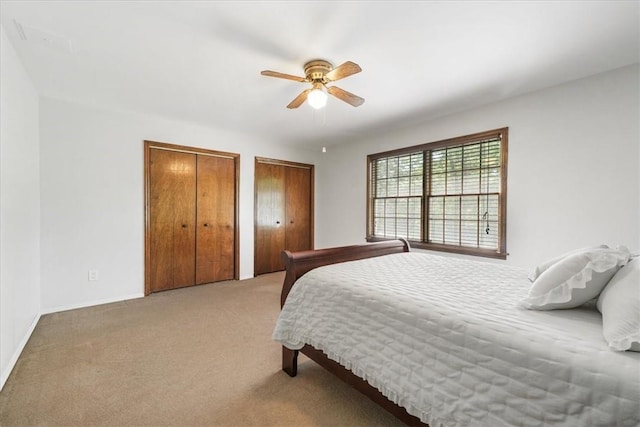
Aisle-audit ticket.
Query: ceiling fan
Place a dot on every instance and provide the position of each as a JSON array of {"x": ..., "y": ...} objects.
[{"x": 320, "y": 72}]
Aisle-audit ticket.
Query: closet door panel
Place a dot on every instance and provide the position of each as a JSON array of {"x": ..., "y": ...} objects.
[
  {"x": 160, "y": 221},
  {"x": 172, "y": 219},
  {"x": 225, "y": 220},
  {"x": 298, "y": 207},
  {"x": 215, "y": 244},
  {"x": 269, "y": 217}
]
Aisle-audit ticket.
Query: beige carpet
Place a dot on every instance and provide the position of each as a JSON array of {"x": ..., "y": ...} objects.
[{"x": 200, "y": 356}]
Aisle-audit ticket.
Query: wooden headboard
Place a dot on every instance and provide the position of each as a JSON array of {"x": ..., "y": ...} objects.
[{"x": 298, "y": 263}]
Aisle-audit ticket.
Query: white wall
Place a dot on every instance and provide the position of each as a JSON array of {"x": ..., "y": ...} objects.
[
  {"x": 572, "y": 173},
  {"x": 19, "y": 208},
  {"x": 93, "y": 197}
]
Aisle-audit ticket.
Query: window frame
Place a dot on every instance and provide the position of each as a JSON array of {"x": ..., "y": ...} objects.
[{"x": 423, "y": 243}]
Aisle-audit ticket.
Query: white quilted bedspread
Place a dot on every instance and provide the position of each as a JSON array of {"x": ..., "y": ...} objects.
[{"x": 444, "y": 338}]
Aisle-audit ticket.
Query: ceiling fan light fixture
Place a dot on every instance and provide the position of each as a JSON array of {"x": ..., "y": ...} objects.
[
  {"x": 320, "y": 72},
  {"x": 317, "y": 98}
]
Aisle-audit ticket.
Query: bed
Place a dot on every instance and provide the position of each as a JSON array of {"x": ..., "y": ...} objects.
[{"x": 441, "y": 341}]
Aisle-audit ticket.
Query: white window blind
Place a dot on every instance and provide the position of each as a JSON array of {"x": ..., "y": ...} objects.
[
  {"x": 463, "y": 198},
  {"x": 398, "y": 203},
  {"x": 448, "y": 195}
]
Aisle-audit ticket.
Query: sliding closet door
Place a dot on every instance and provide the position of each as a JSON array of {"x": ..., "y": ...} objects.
[
  {"x": 269, "y": 217},
  {"x": 215, "y": 255},
  {"x": 172, "y": 214}
]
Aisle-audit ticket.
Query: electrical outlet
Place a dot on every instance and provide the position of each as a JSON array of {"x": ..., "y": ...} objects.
[{"x": 93, "y": 275}]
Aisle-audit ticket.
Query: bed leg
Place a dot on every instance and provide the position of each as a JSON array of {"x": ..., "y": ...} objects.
[{"x": 290, "y": 361}]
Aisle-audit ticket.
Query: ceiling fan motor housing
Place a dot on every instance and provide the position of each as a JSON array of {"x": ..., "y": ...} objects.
[{"x": 317, "y": 69}]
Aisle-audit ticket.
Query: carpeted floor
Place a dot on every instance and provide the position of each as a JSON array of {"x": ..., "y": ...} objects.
[{"x": 199, "y": 356}]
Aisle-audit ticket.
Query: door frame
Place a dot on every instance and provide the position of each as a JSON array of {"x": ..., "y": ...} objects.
[
  {"x": 148, "y": 146},
  {"x": 255, "y": 199}
]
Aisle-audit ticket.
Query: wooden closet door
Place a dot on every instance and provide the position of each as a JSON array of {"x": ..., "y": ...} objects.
[
  {"x": 172, "y": 198},
  {"x": 298, "y": 209},
  {"x": 269, "y": 217},
  {"x": 215, "y": 238},
  {"x": 191, "y": 216}
]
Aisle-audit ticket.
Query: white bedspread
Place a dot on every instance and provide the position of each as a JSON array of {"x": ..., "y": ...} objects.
[{"x": 444, "y": 338}]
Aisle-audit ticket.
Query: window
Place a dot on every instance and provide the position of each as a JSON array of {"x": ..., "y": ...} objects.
[{"x": 447, "y": 195}]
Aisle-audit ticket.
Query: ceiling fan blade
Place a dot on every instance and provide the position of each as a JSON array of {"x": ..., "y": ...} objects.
[
  {"x": 342, "y": 71},
  {"x": 345, "y": 96},
  {"x": 299, "y": 100},
  {"x": 283, "y": 76}
]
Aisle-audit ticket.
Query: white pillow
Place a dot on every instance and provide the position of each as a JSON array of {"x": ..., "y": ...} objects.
[
  {"x": 619, "y": 304},
  {"x": 541, "y": 268},
  {"x": 575, "y": 279}
]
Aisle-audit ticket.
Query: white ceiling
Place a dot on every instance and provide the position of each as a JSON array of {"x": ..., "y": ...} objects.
[{"x": 200, "y": 61}]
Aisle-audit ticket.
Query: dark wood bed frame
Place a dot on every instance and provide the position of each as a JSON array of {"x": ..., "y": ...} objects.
[{"x": 297, "y": 264}]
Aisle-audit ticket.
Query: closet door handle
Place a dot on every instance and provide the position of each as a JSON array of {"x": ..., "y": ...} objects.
[
  {"x": 291, "y": 222},
  {"x": 184, "y": 225},
  {"x": 278, "y": 222},
  {"x": 206, "y": 225}
]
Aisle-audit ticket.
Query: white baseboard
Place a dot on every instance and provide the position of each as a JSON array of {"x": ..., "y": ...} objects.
[
  {"x": 91, "y": 303},
  {"x": 18, "y": 352}
]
